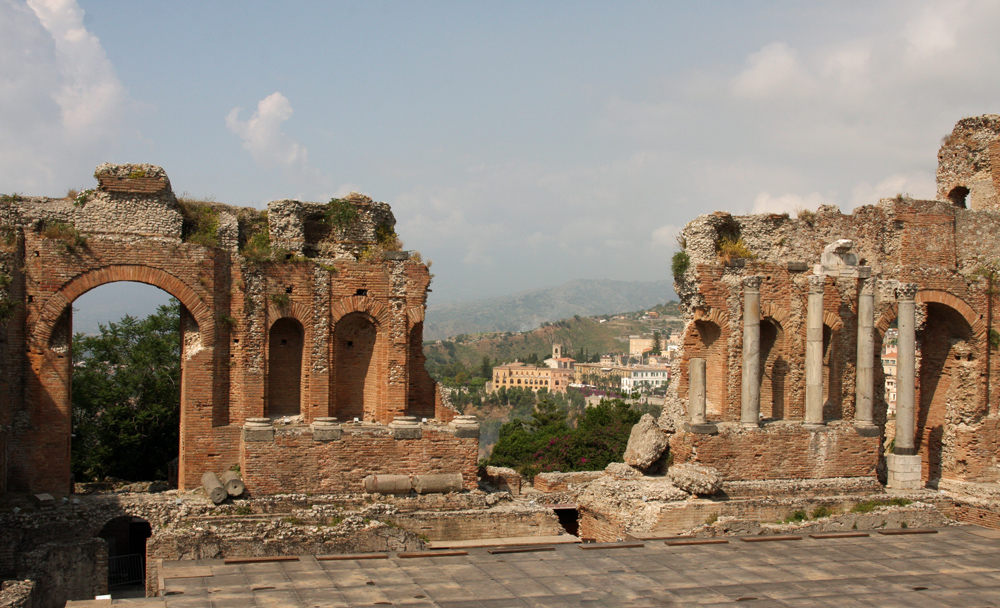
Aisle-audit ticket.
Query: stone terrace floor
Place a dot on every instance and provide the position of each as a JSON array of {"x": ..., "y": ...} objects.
[{"x": 954, "y": 567}]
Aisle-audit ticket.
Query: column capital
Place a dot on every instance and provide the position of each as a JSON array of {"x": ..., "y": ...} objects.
[
  {"x": 752, "y": 282},
  {"x": 816, "y": 283},
  {"x": 906, "y": 291},
  {"x": 866, "y": 287}
]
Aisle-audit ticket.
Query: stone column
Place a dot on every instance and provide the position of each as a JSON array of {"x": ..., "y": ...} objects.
[
  {"x": 814, "y": 352},
  {"x": 906, "y": 370},
  {"x": 864, "y": 392},
  {"x": 750, "y": 398},
  {"x": 697, "y": 388},
  {"x": 904, "y": 463}
]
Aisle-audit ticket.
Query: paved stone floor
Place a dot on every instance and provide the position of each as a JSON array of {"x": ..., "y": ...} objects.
[{"x": 955, "y": 567}]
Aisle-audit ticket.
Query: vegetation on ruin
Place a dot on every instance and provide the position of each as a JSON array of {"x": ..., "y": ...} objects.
[
  {"x": 679, "y": 264},
  {"x": 340, "y": 213},
  {"x": 67, "y": 234},
  {"x": 547, "y": 441},
  {"x": 806, "y": 215},
  {"x": 201, "y": 222},
  {"x": 80, "y": 198},
  {"x": 9, "y": 199},
  {"x": 729, "y": 248},
  {"x": 280, "y": 300},
  {"x": 8, "y": 306},
  {"x": 126, "y": 398},
  {"x": 868, "y": 506},
  {"x": 8, "y": 238}
]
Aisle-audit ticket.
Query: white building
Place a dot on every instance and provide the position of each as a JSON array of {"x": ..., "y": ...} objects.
[{"x": 644, "y": 378}]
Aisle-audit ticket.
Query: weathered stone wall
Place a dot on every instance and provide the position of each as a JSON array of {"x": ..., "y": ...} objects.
[
  {"x": 466, "y": 525},
  {"x": 297, "y": 458},
  {"x": 969, "y": 163},
  {"x": 780, "y": 451},
  {"x": 560, "y": 482},
  {"x": 941, "y": 247},
  {"x": 243, "y": 278}
]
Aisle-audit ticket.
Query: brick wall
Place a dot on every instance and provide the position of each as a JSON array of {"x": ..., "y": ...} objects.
[
  {"x": 480, "y": 524},
  {"x": 780, "y": 451},
  {"x": 260, "y": 338},
  {"x": 295, "y": 462},
  {"x": 600, "y": 527}
]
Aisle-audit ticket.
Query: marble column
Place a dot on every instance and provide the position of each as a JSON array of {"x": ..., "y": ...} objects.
[
  {"x": 814, "y": 351},
  {"x": 906, "y": 370},
  {"x": 864, "y": 392},
  {"x": 904, "y": 466},
  {"x": 696, "y": 392},
  {"x": 750, "y": 398}
]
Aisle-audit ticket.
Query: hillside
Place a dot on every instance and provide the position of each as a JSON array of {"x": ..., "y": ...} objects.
[
  {"x": 574, "y": 334},
  {"x": 529, "y": 309}
]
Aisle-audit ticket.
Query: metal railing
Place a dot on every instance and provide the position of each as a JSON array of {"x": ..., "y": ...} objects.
[{"x": 126, "y": 570}]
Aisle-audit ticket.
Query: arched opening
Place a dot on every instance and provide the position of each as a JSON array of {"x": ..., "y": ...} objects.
[
  {"x": 125, "y": 381},
  {"x": 705, "y": 342},
  {"x": 356, "y": 381},
  {"x": 284, "y": 368},
  {"x": 774, "y": 369},
  {"x": 833, "y": 374},
  {"x": 420, "y": 396},
  {"x": 949, "y": 384},
  {"x": 126, "y": 539},
  {"x": 958, "y": 196}
]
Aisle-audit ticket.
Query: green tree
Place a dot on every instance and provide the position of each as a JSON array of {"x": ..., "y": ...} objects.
[
  {"x": 126, "y": 397},
  {"x": 486, "y": 369},
  {"x": 657, "y": 346}
]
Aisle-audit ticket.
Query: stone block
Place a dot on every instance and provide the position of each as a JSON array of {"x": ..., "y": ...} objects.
[
  {"x": 646, "y": 443},
  {"x": 405, "y": 427},
  {"x": 695, "y": 479},
  {"x": 466, "y": 427},
  {"x": 904, "y": 472},
  {"x": 45, "y": 501},
  {"x": 326, "y": 429},
  {"x": 258, "y": 429}
]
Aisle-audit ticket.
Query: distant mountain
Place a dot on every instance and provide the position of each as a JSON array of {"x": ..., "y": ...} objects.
[{"x": 528, "y": 309}]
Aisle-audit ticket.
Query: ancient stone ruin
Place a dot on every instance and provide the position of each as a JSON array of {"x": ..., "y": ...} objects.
[
  {"x": 781, "y": 375},
  {"x": 302, "y": 358}
]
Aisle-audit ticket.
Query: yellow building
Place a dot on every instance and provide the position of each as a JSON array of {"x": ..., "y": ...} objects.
[{"x": 521, "y": 375}]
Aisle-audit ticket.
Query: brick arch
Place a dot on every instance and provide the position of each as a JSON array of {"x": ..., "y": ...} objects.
[
  {"x": 300, "y": 312},
  {"x": 890, "y": 314},
  {"x": 714, "y": 315},
  {"x": 373, "y": 308},
  {"x": 86, "y": 281},
  {"x": 414, "y": 315},
  {"x": 937, "y": 296},
  {"x": 769, "y": 310},
  {"x": 832, "y": 321}
]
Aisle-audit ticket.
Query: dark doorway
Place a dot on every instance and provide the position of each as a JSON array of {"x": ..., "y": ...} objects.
[{"x": 126, "y": 537}]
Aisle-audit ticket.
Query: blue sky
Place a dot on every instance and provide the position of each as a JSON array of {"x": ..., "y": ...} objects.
[{"x": 520, "y": 144}]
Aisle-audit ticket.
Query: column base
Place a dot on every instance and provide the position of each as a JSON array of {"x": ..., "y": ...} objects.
[
  {"x": 815, "y": 426},
  {"x": 704, "y": 428},
  {"x": 904, "y": 472},
  {"x": 866, "y": 429},
  {"x": 750, "y": 425}
]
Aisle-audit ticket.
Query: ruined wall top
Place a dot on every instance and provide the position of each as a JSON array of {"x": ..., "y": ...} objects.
[
  {"x": 136, "y": 201},
  {"x": 968, "y": 173}
]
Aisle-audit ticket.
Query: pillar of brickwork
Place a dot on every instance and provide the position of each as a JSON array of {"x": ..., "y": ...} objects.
[
  {"x": 865, "y": 387},
  {"x": 814, "y": 351},
  {"x": 904, "y": 466},
  {"x": 750, "y": 398}
]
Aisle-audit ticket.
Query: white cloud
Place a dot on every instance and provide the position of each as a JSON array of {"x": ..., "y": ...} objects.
[
  {"x": 665, "y": 237},
  {"x": 789, "y": 203},
  {"x": 917, "y": 185},
  {"x": 62, "y": 106},
  {"x": 90, "y": 94},
  {"x": 774, "y": 72},
  {"x": 262, "y": 135}
]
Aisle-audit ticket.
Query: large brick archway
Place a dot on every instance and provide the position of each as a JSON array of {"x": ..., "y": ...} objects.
[{"x": 50, "y": 356}]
